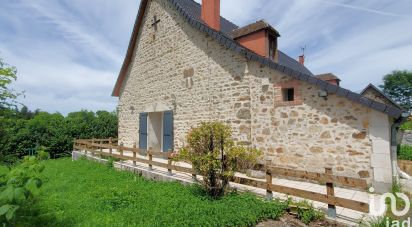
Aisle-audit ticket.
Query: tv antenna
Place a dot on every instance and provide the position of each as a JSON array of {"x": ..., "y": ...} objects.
[{"x": 303, "y": 50}]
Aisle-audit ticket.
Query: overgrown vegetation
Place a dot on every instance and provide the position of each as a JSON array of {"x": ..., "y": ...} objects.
[
  {"x": 214, "y": 155},
  {"x": 377, "y": 222},
  {"x": 405, "y": 152},
  {"x": 19, "y": 186},
  {"x": 407, "y": 125},
  {"x": 23, "y": 132},
  {"x": 305, "y": 211},
  {"x": 84, "y": 193}
]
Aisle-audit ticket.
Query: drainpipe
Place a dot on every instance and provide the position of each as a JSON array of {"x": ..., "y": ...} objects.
[{"x": 394, "y": 145}]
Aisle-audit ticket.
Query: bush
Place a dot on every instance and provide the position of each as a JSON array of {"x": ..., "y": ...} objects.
[
  {"x": 407, "y": 125},
  {"x": 405, "y": 152},
  {"x": 213, "y": 154},
  {"x": 18, "y": 187},
  {"x": 22, "y": 132}
]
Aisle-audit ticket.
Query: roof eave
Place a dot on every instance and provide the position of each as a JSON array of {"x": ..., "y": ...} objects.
[{"x": 130, "y": 49}]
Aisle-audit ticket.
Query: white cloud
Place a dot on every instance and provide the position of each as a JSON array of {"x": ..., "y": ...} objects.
[{"x": 68, "y": 53}]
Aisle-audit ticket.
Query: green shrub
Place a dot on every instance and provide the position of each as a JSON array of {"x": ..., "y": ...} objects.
[
  {"x": 213, "y": 154},
  {"x": 18, "y": 187},
  {"x": 406, "y": 126},
  {"x": 42, "y": 154},
  {"x": 405, "y": 152},
  {"x": 21, "y": 133}
]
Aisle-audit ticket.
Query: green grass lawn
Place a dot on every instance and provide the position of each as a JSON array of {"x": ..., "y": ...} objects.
[{"x": 84, "y": 193}]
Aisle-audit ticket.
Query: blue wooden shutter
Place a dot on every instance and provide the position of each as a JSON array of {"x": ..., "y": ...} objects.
[
  {"x": 167, "y": 131},
  {"x": 143, "y": 131}
]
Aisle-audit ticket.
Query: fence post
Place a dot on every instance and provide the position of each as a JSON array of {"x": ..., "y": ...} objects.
[
  {"x": 134, "y": 154},
  {"x": 92, "y": 148},
  {"x": 169, "y": 166},
  {"x": 330, "y": 192},
  {"x": 269, "y": 194},
  {"x": 85, "y": 147},
  {"x": 111, "y": 144},
  {"x": 150, "y": 159},
  {"x": 101, "y": 149},
  {"x": 120, "y": 149}
]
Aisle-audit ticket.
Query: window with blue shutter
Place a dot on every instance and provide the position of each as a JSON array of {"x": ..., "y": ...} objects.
[
  {"x": 167, "y": 131},
  {"x": 143, "y": 131}
]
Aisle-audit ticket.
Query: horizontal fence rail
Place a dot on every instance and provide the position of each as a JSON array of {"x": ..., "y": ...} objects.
[{"x": 96, "y": 146}]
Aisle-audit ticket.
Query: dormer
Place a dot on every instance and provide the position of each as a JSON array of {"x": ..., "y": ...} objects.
[
  {"x": 259, "y": 37},
  {"x": 329, "y": 77}
]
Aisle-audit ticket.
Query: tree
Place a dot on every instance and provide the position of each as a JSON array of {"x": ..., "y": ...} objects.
[
  {"x": 214, "y": 155},
  {"x": 7, "y": 76},
  {"x": 398, "y": 86}
]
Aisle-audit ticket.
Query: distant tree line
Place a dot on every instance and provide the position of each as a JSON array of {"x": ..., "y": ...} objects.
[{"x": 23, "y": 132}]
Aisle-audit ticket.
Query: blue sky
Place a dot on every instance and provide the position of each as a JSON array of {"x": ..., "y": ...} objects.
[{"x": 68, "y": 52}]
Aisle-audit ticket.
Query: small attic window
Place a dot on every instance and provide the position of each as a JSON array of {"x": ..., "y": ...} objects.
[{"x": 288, "y": 94}]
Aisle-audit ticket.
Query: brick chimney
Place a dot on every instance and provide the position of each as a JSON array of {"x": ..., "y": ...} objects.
[
  {"x": 302, "y": 59},
  {"x": 211, "y": 13}
]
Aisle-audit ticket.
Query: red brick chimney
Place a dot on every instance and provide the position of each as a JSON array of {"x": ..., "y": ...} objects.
[
  {"x": 302, "y": 59},
  {"x": 211, "y": 13}
]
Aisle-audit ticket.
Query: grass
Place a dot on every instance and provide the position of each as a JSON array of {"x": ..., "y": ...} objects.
[
  {"x": 405, "y": 152},
  {"x": 83, "y": 193}
]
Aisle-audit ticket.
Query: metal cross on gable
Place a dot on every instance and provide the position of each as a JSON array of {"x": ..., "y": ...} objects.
[{"x": 155, "y": 22}]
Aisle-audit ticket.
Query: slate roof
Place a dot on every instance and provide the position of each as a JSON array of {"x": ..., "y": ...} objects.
[
  {"x": 371, "y": 86},
  {"x": 327, "y": 76},
  {"x": 194, "y": 9},
  {"x": 190, "y": 11},
  {"x": 254, "y": 27}
]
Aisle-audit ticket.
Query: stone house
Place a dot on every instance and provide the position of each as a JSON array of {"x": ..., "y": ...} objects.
[{"x": 186, "y": 64}]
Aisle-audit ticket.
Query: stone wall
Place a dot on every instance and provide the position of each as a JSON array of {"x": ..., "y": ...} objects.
[
  {"x": 187, "y": 71},
  {"x": 199, "y": 80}
]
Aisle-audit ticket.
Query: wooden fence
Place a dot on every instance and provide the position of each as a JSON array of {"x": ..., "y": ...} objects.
[{"x": 97, "y": 146}]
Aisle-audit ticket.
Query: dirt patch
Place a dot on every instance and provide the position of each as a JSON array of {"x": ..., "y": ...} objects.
[{"x": 289, "y": 220}]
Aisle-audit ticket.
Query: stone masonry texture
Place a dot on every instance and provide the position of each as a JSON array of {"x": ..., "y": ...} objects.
[{"x": 200, "y": 80}]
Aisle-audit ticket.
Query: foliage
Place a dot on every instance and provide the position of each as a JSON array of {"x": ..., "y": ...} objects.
[
  {"x": 22, "y": 131},
  {"x": 84, "y": 193},
  {"x": 7, "y": 76},
  {"x": 377, "y": 222},
  {"x": 398, "y": 85},
  {"x": 110, "y": 162},
  {"x": 42, "y": 154},
  {"x": 306, "y": 212},
  {"x": 214, "y": 155},
  {"x": 405, "y": 152},
  {"x": 406, "y": 126},
  {"x": 18, "y": 187}
]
